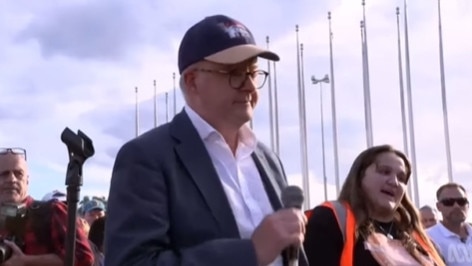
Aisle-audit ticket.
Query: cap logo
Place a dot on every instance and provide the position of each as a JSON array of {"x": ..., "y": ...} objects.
[{"x": 236, "y": 30}]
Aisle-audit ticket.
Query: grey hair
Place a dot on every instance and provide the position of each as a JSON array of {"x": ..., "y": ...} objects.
[{"x": 183, "y": 87}]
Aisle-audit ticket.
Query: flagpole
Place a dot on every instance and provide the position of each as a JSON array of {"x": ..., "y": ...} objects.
[
  {"x": 410, "y": 108},
  {"x": 368, "y": 108},
  {"x": 155, "y": 104},
  {"x": 402, "y": 96},
  {"x": 271, "y": 115},
  {"x": 443, "y": 98},
  {"x": 137, "y": 112},
  {"x": 364, "y": 82},
  {"x": 301, "y": 109},
  {"x": 323, "y": 159},
  {"x": 167, "y": 106},
  {"x": 276, "y": 111},
  {"x": 333, "y": 110},
  {"x": 174, "y": 93}
]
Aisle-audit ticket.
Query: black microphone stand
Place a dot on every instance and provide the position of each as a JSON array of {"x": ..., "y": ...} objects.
[{"x": 80, "y": 148}]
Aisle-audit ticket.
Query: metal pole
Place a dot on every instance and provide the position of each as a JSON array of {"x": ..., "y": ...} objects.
[
  {"x": 444, "y": 98},
  {"x": 402, "y": 97},
  {"x": 167, "y": 106},
  {"x": 155, "y": 104},
  {"x": 271, "y": 117},
  {"x": 137, "y": 112},
  {"x": 315, "y": 81},
  {"x": 410, "y": 113},
  {"x": 276, "y": 112},
  {"x": 368, "y": 107},
  {"x": 325, "y": 179},
  {"x": 174, "y": 93},
  {"x": 333, "y": 110},
  {"x": 303, "y": 142}
]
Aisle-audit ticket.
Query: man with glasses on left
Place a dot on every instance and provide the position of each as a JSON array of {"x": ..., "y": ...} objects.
[{"x": 40, "y": 239}]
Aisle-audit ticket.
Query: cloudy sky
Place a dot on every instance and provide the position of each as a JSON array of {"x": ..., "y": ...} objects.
[{"x": 76, "y": 65}]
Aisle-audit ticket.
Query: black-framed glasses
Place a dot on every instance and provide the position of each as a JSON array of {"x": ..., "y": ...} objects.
[
  {"x": 449, "y": 202},
  {"x": 15, "y": 150},
  {"x": 237, "y": 79}
]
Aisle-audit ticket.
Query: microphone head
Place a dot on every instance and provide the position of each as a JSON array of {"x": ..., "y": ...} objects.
[{"x": 292, "y": 197}]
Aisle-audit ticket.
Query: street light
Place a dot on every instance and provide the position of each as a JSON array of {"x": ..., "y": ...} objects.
[{"x": 315, "y": 81}]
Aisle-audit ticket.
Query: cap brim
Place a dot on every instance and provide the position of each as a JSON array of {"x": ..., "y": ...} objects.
[
  {"x": 241, "y": 53},
  {"x": 95, "y": 209}
]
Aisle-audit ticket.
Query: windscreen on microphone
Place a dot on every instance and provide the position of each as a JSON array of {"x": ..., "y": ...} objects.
[{"x": 292, "y": 197}]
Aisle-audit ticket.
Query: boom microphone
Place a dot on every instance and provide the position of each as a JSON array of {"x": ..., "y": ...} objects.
[{"x": 292, "y": 197}]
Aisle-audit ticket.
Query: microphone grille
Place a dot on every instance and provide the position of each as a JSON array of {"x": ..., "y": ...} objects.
[{"x": 292, "y": 197}]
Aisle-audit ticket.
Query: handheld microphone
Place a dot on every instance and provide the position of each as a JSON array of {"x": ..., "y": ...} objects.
[{"x": 292, "y": 197}]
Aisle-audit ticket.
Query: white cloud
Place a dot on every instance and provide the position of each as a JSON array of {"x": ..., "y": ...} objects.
[{"x": 41, "y": 95}]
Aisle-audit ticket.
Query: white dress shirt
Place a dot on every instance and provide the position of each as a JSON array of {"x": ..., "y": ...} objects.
[
  {"x": 238, "y": 174},
  {"x": 456, "y": 252}
]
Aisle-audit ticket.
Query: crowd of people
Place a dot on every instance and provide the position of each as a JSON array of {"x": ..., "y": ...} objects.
[
  {"x": 34, "y": 231},
  {"x": 202, "y": 190}
]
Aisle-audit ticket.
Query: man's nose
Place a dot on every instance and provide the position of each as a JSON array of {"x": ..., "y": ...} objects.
[{"x": 250, "y": 84}]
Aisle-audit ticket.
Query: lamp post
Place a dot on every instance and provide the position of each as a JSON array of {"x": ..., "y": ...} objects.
[{"x": 315, "y": 81}]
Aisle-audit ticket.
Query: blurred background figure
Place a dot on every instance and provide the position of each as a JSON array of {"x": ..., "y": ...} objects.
[
  {"x": 96, "y": 236},
  {"x": 429, "y": 216},
  {"x": 93, "y": 210},
  {"x": 84, "y": 225},
  {"x": 55, "y": 195},
  {"x": 453, "y": 235}
]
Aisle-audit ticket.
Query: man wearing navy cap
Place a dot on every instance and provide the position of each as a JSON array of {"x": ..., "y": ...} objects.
[{"x": 201, "y": 190}]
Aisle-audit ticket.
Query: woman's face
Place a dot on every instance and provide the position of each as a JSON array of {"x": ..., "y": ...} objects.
[{"x": 385, "y": 182}]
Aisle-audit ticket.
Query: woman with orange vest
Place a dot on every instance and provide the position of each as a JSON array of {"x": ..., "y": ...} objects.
[{"x": 373, "y": 222}]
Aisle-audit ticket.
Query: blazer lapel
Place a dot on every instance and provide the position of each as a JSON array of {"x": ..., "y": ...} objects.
[
  {"x": 273, "y": 186},
  {"x": 274, "y": 182},
  {"x": 195, "y": 158}
]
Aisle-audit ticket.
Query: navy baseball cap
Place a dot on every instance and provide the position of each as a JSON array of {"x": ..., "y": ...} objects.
[{"x": 219, "y": 39}]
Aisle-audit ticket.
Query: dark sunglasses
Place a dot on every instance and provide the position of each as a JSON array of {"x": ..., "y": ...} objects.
[
  {"x": 450, "y": 202},
  {"x": 17, "y": 151}
]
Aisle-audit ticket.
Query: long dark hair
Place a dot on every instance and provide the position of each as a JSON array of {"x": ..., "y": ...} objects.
[{"x": 407, "y": 219}]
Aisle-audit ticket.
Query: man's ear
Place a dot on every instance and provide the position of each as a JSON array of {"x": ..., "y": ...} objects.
[{"x": 190, "y": 82}]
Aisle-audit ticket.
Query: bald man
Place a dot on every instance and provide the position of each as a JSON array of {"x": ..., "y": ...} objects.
[
  {"x": 33, "y": 247},
  {"x": 429, "y": 216}
]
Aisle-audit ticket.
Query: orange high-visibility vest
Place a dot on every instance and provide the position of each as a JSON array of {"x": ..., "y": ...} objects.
[
  {"x": 308, "y": 214},
  {"x": 347, "y": 224}
]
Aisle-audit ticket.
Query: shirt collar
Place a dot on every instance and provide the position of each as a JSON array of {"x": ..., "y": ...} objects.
[
  {"x": 247, "y": 138},
  {"x": 447, "y": 233}
]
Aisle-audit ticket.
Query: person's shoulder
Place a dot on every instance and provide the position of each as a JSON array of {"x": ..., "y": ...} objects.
[
  {"x": 51, "y": 204},
  {"x": 57, "y": 206},
  {"x": 437, "y": 233},
  {"x": 158, "y": 138},
  {"x": 267, "y": 151},
  {"x": 322, "y": 213},
  {"x": 322, "y": 222},
  {"x": 433, "y": 229},
  {"x": 322, "y": 218}
]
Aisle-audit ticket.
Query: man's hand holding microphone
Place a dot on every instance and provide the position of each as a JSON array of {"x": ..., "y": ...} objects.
[{"x": 282, "y": 231}]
